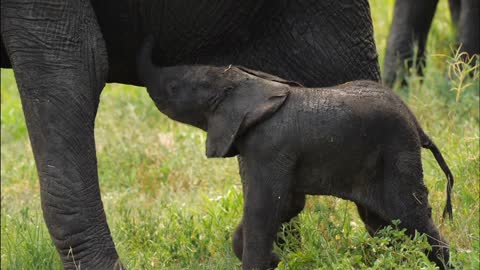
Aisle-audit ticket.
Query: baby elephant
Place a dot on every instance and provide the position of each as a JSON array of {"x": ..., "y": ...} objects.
[{"x": 357, "y": 141}]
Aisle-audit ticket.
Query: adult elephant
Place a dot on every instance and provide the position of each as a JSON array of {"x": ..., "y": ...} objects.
[
  {"x": 410, "y": 26},
  {"x": 63, "y": 53}
]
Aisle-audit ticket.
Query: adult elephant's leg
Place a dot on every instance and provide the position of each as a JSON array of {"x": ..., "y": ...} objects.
[
  {"x": 454, "y": 6},
  {"x": 469, "y": 26},
  {"x": 409, "y": 31},
  {"x": 60, "y": 64},
  {"x": 467, "y": 23}
]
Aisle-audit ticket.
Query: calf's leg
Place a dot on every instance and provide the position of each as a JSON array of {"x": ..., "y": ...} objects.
[
  {"x": 266, "y": 200},
  {"x": 295, "y": 204},
  {"x": 405, "y": 198},
  {"x": 373, "y": 222}
]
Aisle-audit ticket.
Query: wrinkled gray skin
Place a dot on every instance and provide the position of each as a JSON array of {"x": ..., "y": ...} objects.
[
  {"x": 357, "y": 141},
  {"x": 63, "y": 51},
  {"x": 410, "y": 26}
]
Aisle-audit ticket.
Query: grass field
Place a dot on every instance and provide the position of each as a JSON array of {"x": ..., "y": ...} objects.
[{"x": 169, "y": 207}]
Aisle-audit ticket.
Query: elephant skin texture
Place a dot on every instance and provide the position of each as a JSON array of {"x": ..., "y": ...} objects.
[
  {"x": 63, "y": 52},
  {"x": 357, "y": 141}
]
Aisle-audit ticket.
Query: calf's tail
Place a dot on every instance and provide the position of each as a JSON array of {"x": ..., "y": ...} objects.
[{"x": 428, "y": 144}]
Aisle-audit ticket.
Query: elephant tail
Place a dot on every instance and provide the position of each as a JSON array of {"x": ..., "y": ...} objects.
[
  {"x": 145, "y": 66},
  {"x": 428, "y": 144}
]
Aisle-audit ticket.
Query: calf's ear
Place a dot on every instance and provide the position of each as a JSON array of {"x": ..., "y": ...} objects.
[
  {"x": 268, "y": 77},
  {"x": 238, "y": 112}
]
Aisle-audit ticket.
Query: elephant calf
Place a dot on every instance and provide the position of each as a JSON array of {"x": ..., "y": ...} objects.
[{"x": 357, "y": 141}]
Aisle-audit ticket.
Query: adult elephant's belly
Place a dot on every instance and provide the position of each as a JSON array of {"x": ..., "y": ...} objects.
[
  {"x": 306, "y": 41},
  {"x": 184, "y": 30}
]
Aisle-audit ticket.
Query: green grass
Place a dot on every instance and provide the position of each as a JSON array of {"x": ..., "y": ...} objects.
[{"x": 170, "y": 208}]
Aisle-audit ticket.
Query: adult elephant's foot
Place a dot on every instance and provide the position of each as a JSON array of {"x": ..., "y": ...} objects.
[
  {"x": 60, "y": 70},
  {"x": 96, "y": 261}
]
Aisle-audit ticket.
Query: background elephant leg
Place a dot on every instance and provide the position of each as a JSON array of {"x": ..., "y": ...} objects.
[
  {"x": 60, "y": 65},
  {"x": 469, "y": 27},
  {"x": 409, "y": 30},
  {"x": 454, "y": 6},
  {"x": 373, "y": 222}
]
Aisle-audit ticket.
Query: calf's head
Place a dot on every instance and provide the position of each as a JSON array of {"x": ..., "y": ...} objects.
[{"x": 224, "y": 101}]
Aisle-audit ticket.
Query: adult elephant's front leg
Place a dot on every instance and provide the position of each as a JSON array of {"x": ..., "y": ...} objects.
[{"x": 60, "y": 64}]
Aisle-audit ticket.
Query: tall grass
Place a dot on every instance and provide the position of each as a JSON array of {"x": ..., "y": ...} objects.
[{"x": 170, "y": 208}]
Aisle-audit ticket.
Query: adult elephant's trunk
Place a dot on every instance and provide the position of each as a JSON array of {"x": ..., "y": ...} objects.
[{"x": 60, "y": 63}]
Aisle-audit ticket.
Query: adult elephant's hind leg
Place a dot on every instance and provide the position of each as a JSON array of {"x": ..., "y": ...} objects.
[
  {"x": 410, "y": 26},
  {"x": 469, "y": 26},
  {"x": 60, "y": 64}
]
